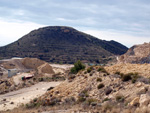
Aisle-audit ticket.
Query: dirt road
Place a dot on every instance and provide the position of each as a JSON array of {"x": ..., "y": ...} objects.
[{"x": 16, "y": 98}]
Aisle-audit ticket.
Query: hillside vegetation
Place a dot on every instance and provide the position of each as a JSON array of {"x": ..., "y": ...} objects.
[{"x": 60, "y": 44}]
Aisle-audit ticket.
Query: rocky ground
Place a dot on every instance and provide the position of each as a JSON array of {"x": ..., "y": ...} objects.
[
  {"x": 23, "y": 96},
  {"x": 97, "y": 90},
  {"x": 41, "y": 70},
  {"x": 120, "y": 88}
]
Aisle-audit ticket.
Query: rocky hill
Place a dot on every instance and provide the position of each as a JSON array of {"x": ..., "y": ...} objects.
[
  {"x": 62, "y": 45},
  {"x": 137, "y": 54},
  {"x": 98, "y": 90}
]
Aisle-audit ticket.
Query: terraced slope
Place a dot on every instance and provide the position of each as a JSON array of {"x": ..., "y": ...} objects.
[{"x": 62, "y": 45}]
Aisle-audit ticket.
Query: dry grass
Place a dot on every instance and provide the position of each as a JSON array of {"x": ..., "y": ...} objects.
[{"x": 142, "y": 69}]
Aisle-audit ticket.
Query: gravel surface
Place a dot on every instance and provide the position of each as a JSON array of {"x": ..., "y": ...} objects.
[{"x": 16, "y": 98}]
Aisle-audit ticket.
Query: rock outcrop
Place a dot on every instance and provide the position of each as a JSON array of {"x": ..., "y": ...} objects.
[{"x": 136, "y": 54}]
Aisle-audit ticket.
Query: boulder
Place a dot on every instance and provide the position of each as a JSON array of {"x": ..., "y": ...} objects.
[
  {"x": 144, "y": 100},
  {"x": 108, "y": 90},
  {"x": 139, "y": 84},
  {"x": 142, "y": 90}
]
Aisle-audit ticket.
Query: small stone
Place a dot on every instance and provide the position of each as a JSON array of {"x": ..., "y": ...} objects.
[
  {"x": 142, "y": 91},
  {"x": 93, "y": 104},
  {"x": 12, "y": 103},
  {"x": 57, "y": 92},
  {"x": 139, "y": 84},
  {"x": 4, "y": 99},
  {"x": 135, "y": 101},
  {"x": 108, "y": 90}
]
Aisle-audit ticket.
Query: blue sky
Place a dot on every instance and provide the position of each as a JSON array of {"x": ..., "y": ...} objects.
[{"x": 125, "y": 21}]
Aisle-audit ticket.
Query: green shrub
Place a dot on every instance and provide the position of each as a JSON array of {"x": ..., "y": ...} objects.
[
  {"x": 100, "y": 86},
  {"x": 91, "y": 100},
  {"x": 135, "y": 76},
  {"x": 106, "y": 99},
  {"x": 119, "y": 98},
  {"x": 73, "y": 70},
  {"x": 85, "y": 72},
  {"x": 134, "y": 80},
  {"x": 130, "y": 76},
  {"x": 84, "y": 93},
  {"x": 77, "y": 67},
  {"x": 81, "y": 99},
  {"x": 99, "y": 80},
  {"x": 40, "y": 79},
  {"x": 35, "y": 100},
  {"x": 126, "y": 77},
  {"x": 121, "y": 74},
  {"x": 117, "y": 72},
  {"x": 101, "y": 69},
  {"x": 89, "y": 69}
]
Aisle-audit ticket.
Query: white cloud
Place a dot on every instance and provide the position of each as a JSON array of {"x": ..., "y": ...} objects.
[
  {"x": 128, "y": 40},
  {"x": 11, "y": 31}
]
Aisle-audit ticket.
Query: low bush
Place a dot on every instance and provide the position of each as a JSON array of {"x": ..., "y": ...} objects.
[
  {"x": 89, "y": 69},
  {"x": 106, "y": 99},
  {"x": 126, "y": 77},
  {"x": 117, "y": 72},
  {"x": 130, "y": 76},
  {"x": 100, "y": 86},
  {"x": 84, "y": 93},
  {"x": 99, "y": 80},
  {"x": 101, "y": 69},
  {"x": 119, "y": 98},
  {"x": 70, "y": 100},
  {"x": 77, "y": 67},
  {"x": 81, "y": 99},
  {"x": 91, "y": 100},
  {"x": 108, "y": 90}
]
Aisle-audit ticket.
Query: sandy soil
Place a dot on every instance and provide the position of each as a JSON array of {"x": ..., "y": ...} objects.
[
  {"x": 16, "y": 98},
  {"x": 61, "y": 68}
]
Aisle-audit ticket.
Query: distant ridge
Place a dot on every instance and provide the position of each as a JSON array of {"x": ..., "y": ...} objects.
[{"x": 61, "y": 44}]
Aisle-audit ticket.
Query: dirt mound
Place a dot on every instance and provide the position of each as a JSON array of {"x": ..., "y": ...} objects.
[
  {"x": 136, "y": 54},
  {"x": 142, "y": 69},
  {"x": 45, "y": 68},
  {"x": 32, "y": 63},
  {"x": 13, "y": 63}
]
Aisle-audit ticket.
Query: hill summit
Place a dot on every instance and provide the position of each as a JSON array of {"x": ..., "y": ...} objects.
[{"x": 62, "y": 44}]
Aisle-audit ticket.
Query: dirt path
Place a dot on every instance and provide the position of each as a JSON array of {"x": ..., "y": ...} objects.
[{"x": 13, "y": 99}]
